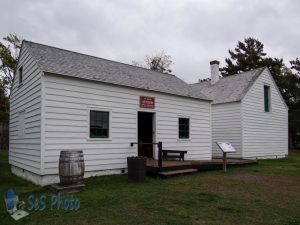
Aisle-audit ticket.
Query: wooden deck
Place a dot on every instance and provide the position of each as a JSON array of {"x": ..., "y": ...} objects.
[{"x": 200, "y": 165}]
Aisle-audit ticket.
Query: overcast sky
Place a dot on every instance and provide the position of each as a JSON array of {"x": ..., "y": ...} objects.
[{"x": 192, "y": 32}]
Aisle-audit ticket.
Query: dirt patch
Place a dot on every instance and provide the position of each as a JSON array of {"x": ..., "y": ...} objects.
[
  {"x": 275, "y": 183},
  {"x": 248, "y": 176},
  {"x": 222, "y": 187}
]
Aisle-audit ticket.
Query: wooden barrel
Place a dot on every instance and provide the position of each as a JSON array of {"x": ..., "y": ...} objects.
[{"x": 71, "y": 167}]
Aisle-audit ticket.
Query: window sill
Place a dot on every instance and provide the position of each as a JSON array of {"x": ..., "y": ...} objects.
[
  {"x": 99, "y": 139},
  {"x": 184, "y": 140}
]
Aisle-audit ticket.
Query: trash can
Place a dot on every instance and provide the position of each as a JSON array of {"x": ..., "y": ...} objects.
[{"x": 136, "y": 168}]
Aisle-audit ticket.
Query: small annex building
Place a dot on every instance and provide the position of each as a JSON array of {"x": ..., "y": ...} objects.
[
  {"x": 63, "y": 100},
  {"x": 248, "y": 111}
]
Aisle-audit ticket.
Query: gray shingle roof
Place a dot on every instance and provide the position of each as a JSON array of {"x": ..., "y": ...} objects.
[
  {"x": 228, "y": 89},
  {"x": 68, "y": 63}
]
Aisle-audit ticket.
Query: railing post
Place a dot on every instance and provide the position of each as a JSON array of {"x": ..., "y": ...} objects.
[{"x": 159, "y": 145}]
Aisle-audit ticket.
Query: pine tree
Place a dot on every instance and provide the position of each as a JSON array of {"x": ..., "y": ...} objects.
[
  {"x": 295, "y": 64},
  {"x": 246, "y": 56}
]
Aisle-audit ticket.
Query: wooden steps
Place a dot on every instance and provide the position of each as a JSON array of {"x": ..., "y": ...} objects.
[
  {"x": 176, "y": 172},
  {"x": 174, "y": 167}
]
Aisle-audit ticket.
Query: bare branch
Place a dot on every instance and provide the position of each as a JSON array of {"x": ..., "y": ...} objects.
[{"x": 159, "y": 61}]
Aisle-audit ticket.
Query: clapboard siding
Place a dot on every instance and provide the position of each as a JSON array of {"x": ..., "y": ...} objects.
[
  {"x": 265, "y": 134},
  {"x": 25, "y": 151},
  {"x": 227, "y": 126},
  {"x": 67, "y": 101}
]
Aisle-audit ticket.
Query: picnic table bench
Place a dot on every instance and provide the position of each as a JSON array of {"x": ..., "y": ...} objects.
[{"x": 175, "y": 154}]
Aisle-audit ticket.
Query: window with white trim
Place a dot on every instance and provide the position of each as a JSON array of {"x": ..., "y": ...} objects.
[
  {"x": 99, "y": 124},
  {"x": 184, "y": 128}
]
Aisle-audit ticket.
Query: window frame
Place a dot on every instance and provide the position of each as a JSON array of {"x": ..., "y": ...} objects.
[
  {"x": 269, "y": 98},
  {"x": 20, "y": 75},
  {"x": 189, "y": 128},
  {"x": 89, "y": 138}
]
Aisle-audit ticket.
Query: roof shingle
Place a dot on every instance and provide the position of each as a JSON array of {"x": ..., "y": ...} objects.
[
  {"x": 68, "y": 63},
  {"x": 228, "y": 89}
]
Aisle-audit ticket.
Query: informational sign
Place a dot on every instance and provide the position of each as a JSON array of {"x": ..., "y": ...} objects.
[
  {"x": 225, "y": 146},
  {"x": 147, "y": 102}
]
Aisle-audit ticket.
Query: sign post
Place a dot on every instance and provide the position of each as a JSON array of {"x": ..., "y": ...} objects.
[
  {"x": 226, "y": 147},
  {"x": 225, "y": 162}
]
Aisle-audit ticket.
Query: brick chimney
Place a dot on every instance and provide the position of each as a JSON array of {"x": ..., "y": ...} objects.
[{"x": 214, "y": 71}]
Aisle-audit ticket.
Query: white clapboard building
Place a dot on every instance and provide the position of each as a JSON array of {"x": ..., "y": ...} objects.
[
  {"x": 248, "y": 111},
  {"x": 63, "y": 100}
]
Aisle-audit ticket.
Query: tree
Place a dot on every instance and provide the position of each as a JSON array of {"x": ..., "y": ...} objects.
[
  {"x": 294, "y": 112},
  {"x": 9, "y": 53},
  {"x": 249, "y": 55},
  {"x": 160, "y": 62},
  {"x": 4, "y": 119},
  {"x": 4, "y": 106},
  {"x": 246, "y": 56},
  {"x": 289, "y": 86},
  {"x": 295, "y": 64}
]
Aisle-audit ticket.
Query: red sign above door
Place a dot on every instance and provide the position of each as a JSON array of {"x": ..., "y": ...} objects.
[{"x": 147, "y": 102}]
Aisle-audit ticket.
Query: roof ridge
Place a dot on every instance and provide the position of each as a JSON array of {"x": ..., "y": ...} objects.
[
  {"x": 109, "y": 60},
  {"x": 233, "y": 75},
  {"x": 243, "y": 72}
]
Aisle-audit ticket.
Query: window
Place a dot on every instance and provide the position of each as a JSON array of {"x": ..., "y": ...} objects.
[
  {"x": 184, "y": 128},
  {"x": 267, "y": 98},
  {"x": 99, "y": 124},
  {"x": 20, "y": 75},
  {"x": 21, "y": 124}
]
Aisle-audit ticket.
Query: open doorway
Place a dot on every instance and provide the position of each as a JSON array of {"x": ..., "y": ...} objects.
[{"x": 146, "y": 133}]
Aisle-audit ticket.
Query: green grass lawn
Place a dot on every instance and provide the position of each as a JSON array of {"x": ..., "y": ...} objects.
[{"x": 267, "y": 193}]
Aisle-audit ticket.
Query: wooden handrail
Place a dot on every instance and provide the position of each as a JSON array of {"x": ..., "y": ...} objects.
[{"x": 141, "y": 143}]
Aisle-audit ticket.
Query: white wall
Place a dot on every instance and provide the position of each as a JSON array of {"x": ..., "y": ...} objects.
[
  {"x": 25, "y": 117},
  {"x": 66, "y": 105},
  {"x": 227, "y": 126},
  {"x": 265, "y": 134}
]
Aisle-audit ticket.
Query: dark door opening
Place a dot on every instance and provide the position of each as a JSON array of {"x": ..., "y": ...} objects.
[{"x": 145, "y": 134}]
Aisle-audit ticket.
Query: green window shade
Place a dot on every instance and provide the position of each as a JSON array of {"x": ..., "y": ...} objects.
[
  {"x": 267, "y": 98},
  {"x": 99, "y": 124},
  {"x": 20, "y": 75}
]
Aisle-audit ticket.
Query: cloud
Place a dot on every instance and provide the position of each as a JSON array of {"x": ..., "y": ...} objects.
[{"x": 192, "y": 32}]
